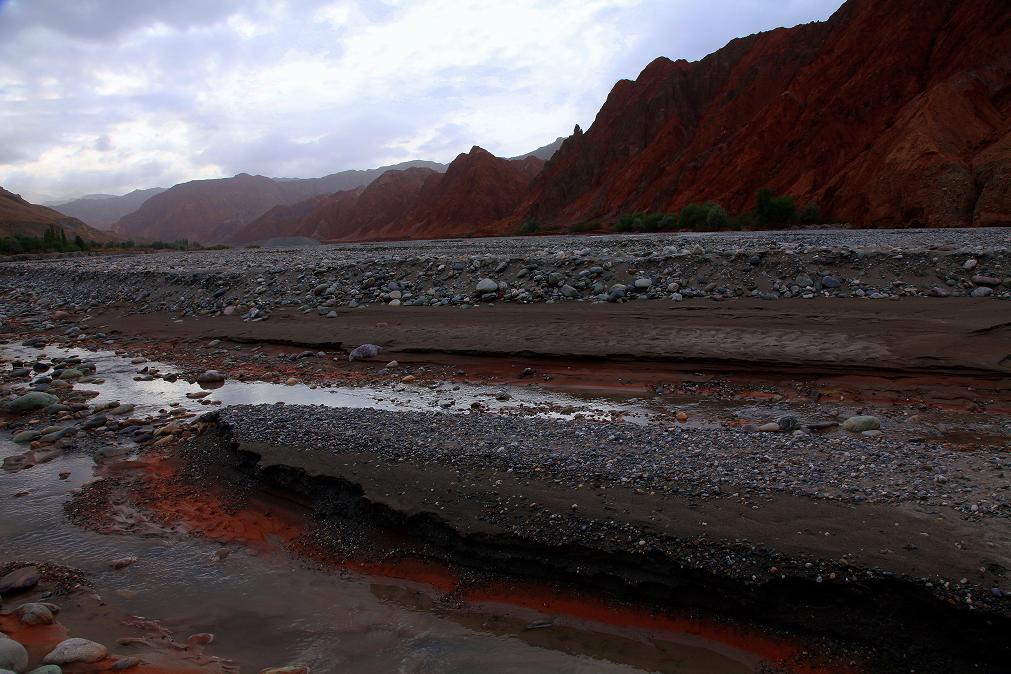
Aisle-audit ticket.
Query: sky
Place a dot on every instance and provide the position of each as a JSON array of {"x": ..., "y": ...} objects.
[{"x": 109, "y": 96}]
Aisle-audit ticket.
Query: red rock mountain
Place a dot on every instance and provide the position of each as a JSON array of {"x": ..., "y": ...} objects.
[
  {"x": 891, "y": 113},
  {"x": 477, "y": 190},
  {"x": 18, "y": 216}
]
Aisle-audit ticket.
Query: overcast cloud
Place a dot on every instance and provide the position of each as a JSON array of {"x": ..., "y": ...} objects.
[{"x": 122, "y": 94}]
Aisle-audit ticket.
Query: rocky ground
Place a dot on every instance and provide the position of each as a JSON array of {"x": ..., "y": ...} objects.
[
  {"x": 877, "y": 264},
  {"x": 795, "y": 461},
  {"x": 48, "y": 603}
]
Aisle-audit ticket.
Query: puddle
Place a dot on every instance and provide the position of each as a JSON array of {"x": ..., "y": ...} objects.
[{"x": 150, "y": 396}]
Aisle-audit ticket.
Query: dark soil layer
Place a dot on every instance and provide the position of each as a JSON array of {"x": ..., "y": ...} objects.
[{"x": 771, "y": 566}]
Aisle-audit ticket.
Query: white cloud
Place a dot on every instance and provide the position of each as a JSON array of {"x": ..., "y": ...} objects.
[{"x": 107, "y": 97}]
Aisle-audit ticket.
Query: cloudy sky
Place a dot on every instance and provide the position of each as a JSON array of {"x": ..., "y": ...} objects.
[{"x": 108, "y": 96}]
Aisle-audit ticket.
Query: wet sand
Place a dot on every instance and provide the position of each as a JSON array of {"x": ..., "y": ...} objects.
[{"x": 914, "y": 335}]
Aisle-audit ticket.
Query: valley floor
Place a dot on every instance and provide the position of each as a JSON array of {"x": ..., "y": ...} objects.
[{"x": 827, "y": 472}]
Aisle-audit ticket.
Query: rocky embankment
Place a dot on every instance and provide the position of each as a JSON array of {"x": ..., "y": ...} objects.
[
  {"x": 875, "y": 264},
  {"x": 790, "y": 528}
]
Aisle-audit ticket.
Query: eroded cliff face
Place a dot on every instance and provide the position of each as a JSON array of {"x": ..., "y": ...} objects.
[
  {"x": 891, "y": 113},
  {"x": 478, "y": 189}
]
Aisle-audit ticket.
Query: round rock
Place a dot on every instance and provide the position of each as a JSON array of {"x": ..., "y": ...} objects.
[
  {"x": 210, "y": 377},
  {"x": 76, "y": 650},
  {"x": 30, "y": 402},
  {"x": 35, "y": 613},
  {"x": 486, "y": 285},
  {"x": 19, "y": 580},
  {"x": 13, "y": 655},
  {"x": 788, "y": 423},
  {"x": 861, "y": 423},
  {"x": 364, "y": 352}
]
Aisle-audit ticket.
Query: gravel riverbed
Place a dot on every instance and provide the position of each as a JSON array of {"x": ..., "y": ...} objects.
[
  {"x": 696, "y": 462},
  {"x": 876, "y": 264}
]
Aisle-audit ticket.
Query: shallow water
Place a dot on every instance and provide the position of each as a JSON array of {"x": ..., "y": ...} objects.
[
  {"x": 266, "y": 608},
  {"x": 149, "y": 396},
  {"x": 269, "y": 609}
]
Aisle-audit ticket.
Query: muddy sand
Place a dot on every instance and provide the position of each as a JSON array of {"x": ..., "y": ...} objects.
[{"x": 914, "y": 335}]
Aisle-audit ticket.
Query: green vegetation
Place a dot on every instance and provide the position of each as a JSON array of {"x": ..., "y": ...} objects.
[
  {"x": 181, "y": 244},
  {"x": 53, "y": 240},
  {"x": 809, "y": 215},
  {"x": 773, "y": 210},
  {"x": 770, "y": 211},
  {"x": 695, "y": 217},
  {"x": 716, "y": 217},
  {"x": 529, "y": 226}
]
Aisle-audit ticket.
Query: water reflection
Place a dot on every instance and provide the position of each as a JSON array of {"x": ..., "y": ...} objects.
[{"x": 149, "y": 396}]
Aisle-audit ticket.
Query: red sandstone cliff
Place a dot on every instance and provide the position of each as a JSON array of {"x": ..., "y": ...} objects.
[{"x": 891, "y": 113}]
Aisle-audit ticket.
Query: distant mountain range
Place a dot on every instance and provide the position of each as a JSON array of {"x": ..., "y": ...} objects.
[
  {"x": 890, "y": 113},
  {"x": 102, "y": 210}
]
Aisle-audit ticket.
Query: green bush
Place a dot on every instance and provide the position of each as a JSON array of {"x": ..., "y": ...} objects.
[
  {"x": 52, "y": 240},
  {"x": 647, "y": 222},
  {"x": 9, "y": 245},
  {"x": 628, "y": 223},
  {"x": 581, "y": 227},
  {"x": 694, "y": 217},
  {"x": 773, "y": 210},
  {"x": 529, "y": 226},
  {"x": 716, "y": 218},
  {"x": 669, "y": 222},
  {"x": 810, "y": 215}
]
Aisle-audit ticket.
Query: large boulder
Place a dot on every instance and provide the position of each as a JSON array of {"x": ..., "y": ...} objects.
[
  {"x": 861, "y": 423},
  {"x": 36, "y": 613},
  {"x": 210, "y": 377},
  {"x": 364, "y": 352},
  {"x": 30, "y": 402},
  {"x": 74, "y": 650},
  {"x": 13, "y": 655},
  {"x": 486, "y": 285},
  {"x": 19, "y": 580}
]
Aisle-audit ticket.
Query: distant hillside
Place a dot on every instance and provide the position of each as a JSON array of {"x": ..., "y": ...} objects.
[
  {"x": 476, "y": 190},
  {"x": 212, "y": 211},
  {"x": 102, "y": 211},
  {"x": 18, "y": 216},
  {"x": 302, "y": 188},
  {"x": 545, "y": 152},
  {"x": 206, "y": 211}
]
